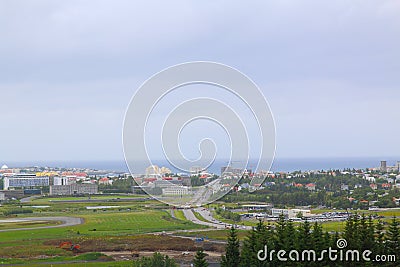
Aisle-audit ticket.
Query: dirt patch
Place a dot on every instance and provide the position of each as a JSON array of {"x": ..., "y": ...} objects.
[{"x": 142, "y": 243}]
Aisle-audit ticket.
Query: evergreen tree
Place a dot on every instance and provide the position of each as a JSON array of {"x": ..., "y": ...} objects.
[
  {"x": 305, "y": 241},
  {"x": 200, "y": 259},
  {"x": 334, "y": 239},
  {"x": 258, "y": 237},
  {"x": 367, "y": 230},
  {"x": 327, "y": 240},
  {"x": 232, "y": 253},
  {"x": 393, "y": 238},
  {"x": 318, "y": 240},
  {"x": 380, "y": 238},
  {"x": 290, "y": 241},
  {"x": 249, "y": 251},
  {"x": 352, "y": 232},
  {"x": 280, "y": 233}
]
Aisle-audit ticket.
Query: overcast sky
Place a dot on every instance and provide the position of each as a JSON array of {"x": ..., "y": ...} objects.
[{"x": 329, "y": 69}]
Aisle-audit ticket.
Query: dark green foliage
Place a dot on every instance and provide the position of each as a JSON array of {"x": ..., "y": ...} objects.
[
  {"x": 199, "y": 259},
  {"x": 19, "y": 211},
  {"x": 380, "y": 238},
  {"x": 361, "y": 233},
  {"x": 232, "y": 254},
  {"x": 393, "y": 238},
  {"x": 228, "y": 214},
  {"x": 157, "y": 260}
]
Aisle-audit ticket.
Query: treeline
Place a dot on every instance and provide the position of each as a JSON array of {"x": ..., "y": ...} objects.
[
  {"x": 154, "y": 261},
  {"x": 360, "y": 234},
  {"x": 19, "y": 211},
  {"x": 226, "y": 214},
  {"x": 118, "y": 186},
  {"x": 331, "y": 191}
]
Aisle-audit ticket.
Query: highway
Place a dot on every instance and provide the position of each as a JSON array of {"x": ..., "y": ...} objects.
[
  {"x": 211, "y": 221},
  {"x": 190, "y": 216}
]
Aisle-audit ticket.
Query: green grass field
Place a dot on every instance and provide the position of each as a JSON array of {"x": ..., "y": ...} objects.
[
  {"x": 199, "y": 217},
  {"x": 77, "y": 260},
  {"x": 105, "y": 224},
  {"x": 179, "y": 215},
  {"x": 95, "y": 197},
  {"x": 100, "y": 228}
]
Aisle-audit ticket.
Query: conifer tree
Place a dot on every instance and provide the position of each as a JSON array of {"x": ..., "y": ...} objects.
[
  {"x": 305, "y": 241},
  {"x": 290, "y": 241},
  {"x": 280, "y": 233},
  {"x": 200, "y": 259},
  {"x": 249, "y": 251},
  {"x": 232, "y": 253},
  {"x": 380, "y": 238},
  {"x": 318, "y": 242},
  {"x": 393, "y": 238}
]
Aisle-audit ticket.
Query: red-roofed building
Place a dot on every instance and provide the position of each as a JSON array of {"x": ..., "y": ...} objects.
[
  {"x": 105, "y": 181},
  {"x": 386, "y": 186},
  {"x": 310, "y": 186}
]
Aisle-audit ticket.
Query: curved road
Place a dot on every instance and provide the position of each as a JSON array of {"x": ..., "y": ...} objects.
[
  {"x": 211, "y": 221},
  {"x": 66, "y": 221},
  {"x": 191, "y": 217}
]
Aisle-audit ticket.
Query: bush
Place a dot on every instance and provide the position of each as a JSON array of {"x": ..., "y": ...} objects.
[
  {"x": 20, "y": 211},
  {"x": 228, "y": 214},
  {"x": 155, "y": 261}
]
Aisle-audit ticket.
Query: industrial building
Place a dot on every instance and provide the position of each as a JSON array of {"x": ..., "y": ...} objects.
[
  {"x": 61, "y": 180},
  {"x": 23, "y": 180},
  {"x": 74, "y": 189},
  {"x": 291, "y": 213},
  {"x": 9, "y": 194},
  {"x": 176, "y": 191}
]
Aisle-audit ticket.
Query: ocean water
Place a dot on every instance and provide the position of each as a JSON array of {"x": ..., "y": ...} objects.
[{"x": 279, "y": 164}]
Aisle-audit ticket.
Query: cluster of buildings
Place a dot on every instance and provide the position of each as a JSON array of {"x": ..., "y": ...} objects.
[
  {"x": 231, "y": 171},
  {"x": 385, "y": 168},
  {"x": 166, "y": 186},
  {"x": 160, "y": 181},
  {"x": 291, "y": 213},
  {"x": 58, "y": 181}
]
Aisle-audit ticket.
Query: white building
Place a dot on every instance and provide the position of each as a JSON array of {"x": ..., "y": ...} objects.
[
  {"x": 291, "y": 213},
  {"x": 60, "y": 180},
  {"x": 195, "y": 170},
  {"x": 21, "y": 180},
  {"x": 2, "y": 196},
  {"x": 176, "y": 191}
]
